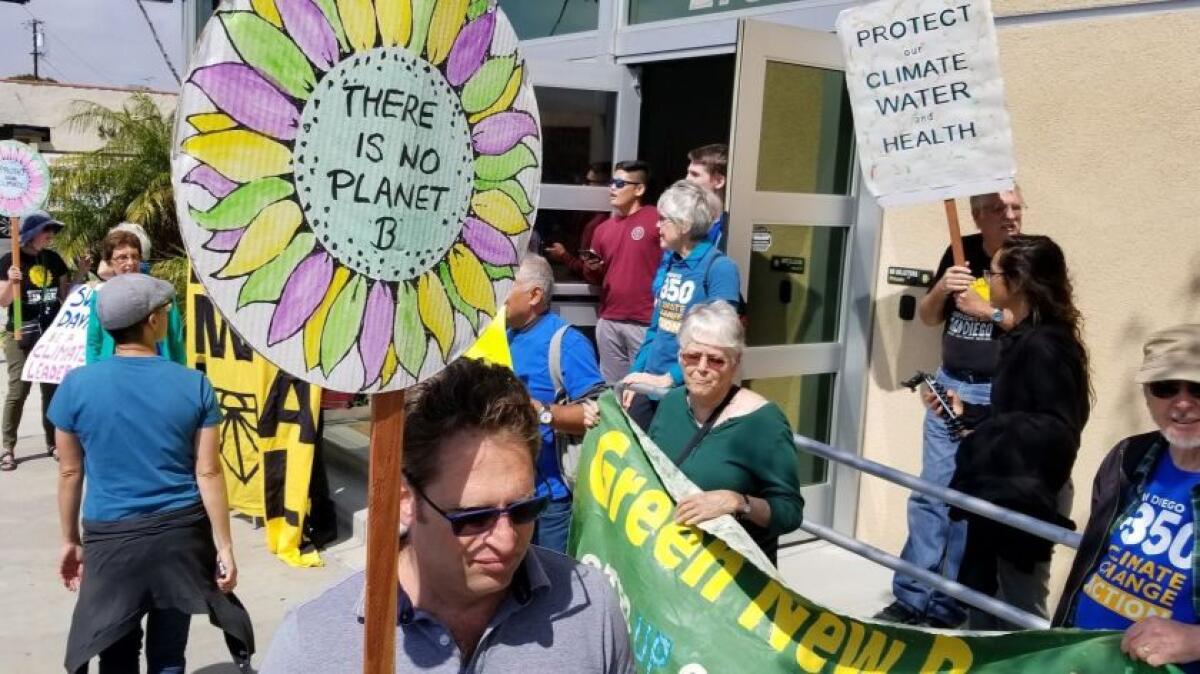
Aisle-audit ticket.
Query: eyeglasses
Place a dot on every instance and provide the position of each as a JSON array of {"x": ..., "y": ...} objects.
[
  {"x": 127, "y": 258},
  {"x": 1165, "y": 390},
  {"x": 475, "y": 521},
  {"x": 692, "y": 359},
  {"x": 988, "y": 274},
  {"x": 618, "y": 183}
]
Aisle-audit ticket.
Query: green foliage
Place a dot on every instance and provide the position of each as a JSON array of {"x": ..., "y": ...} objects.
[{"x": 127, "y": 179}]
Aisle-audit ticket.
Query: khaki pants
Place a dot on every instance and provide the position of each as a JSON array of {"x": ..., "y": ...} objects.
[{"x": 18, "y": 391}]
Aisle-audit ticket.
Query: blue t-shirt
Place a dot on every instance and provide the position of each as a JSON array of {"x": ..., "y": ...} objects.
[
  {"x": 706, "y": 275},
  {"x": 136, "y": 419},
  {"x": 1147, "y": 568},
  {"x": 530, "y": 348}
]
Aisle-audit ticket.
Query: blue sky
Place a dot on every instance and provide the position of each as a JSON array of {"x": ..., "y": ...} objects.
[{"x": 103, "y": 42}]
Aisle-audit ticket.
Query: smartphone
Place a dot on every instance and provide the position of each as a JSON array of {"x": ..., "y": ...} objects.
[{"x": 589, "y": 255}]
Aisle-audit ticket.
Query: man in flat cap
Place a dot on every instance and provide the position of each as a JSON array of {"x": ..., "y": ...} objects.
[
  {"x": 1138, "y": 566},
  {"x": 155, "y": 530}
]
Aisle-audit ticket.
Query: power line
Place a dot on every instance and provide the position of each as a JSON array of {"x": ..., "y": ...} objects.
[{"x": 154, "y": 34}]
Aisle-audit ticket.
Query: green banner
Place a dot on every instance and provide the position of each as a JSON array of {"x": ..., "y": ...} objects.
[{"x": 708, "y": 602}]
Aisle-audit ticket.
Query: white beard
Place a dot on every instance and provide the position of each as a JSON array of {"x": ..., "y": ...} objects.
[{"x": 1180, "y": 441}]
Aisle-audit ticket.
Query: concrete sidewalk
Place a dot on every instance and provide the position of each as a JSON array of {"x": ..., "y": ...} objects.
[{"x": 37, "y": 609}]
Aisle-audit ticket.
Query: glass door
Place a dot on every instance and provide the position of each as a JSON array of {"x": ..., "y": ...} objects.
[{"x": 797, "y": 234}]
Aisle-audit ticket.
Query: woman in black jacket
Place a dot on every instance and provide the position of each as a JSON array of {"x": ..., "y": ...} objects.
[{"x": 1018, "y": 451}]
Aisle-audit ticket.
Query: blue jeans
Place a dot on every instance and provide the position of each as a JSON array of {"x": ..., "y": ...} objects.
[
  {"x": 935, "y": 542},
  {"x": 166, "y": 641},
  {"x": 554, "y": 526}
]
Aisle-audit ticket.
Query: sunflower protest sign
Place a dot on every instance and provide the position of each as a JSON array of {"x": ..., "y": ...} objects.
[
  {"x": 268, "y": 429},
  {"x": 702, "y": 602},
  {"x": 357, "y": 180}
]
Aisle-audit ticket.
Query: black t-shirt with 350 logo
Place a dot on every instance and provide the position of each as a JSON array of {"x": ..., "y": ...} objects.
[{"x": 41, "y": 274}]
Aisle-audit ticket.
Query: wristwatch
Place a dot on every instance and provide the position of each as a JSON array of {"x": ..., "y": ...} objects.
[
  {"x": 997, "y": 316},
  {"x": 546, "y": 416},
  {"x": 743, "y": 511}
]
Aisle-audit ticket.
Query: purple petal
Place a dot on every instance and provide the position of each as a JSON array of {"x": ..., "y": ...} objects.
[
  {"x": 470, "y": 48},
  {"x": 502, "y": 131},
  {"x": 489, "y": 244},
  {"x": 207, "y": 177},
  {"x": 225, "y": 241},
  {"x": 301, "y": 296},
  {"x": 240, "y": 92},
  {"x": 376, "y": 330},
  {"x": 310, "y": 30}
]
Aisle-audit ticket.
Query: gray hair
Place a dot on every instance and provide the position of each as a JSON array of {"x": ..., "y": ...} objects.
[
  {"x": 692, "y": 206},
  {"x": 978, "y": 201},
  {"x": 536, "y": 271},
  {"x": 715, "y": 324}
]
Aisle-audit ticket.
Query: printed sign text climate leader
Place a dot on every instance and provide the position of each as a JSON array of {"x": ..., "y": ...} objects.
[{"x": 921, "y": 103}]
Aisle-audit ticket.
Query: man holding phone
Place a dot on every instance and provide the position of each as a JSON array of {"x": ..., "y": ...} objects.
[{"x": 622, "y": 260}]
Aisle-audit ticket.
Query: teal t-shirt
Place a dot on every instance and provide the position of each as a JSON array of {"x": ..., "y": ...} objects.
[
  {"x": 100, "y": 344},
  {"x": 136, "y": 420},
  {"x": 752, "y": 454}
]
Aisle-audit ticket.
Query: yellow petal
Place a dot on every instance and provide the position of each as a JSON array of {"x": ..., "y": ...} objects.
[
  {"x": 207, "y": 122},
  {"x": 447, "y": 20},
  {"x": 436, "y": 312},
  {"x": 472, "y": 282},
  {"x": 499, "y": 210},
  {"x": 315, "y": 327},
  {"x": 506, "y": 98},
  {"x": 240, "y": 155},
  {"x": 267, "y": 10},
  {"x": 266, "y": 237},
  {"x": 395, "y": 21},
  {"x": 358, "y": 18},
  {"x": 390, "y": 364}
]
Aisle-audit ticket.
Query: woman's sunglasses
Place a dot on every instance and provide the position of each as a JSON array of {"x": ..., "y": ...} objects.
[
  {"x": 692, "y": 359},
  {"x": 1165, "y": 390},
  {"x": 619, "y": 183},
  {"x": 475, "y": 521}
]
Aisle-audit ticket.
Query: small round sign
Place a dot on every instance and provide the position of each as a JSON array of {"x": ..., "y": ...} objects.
[
  {"x": 357, "y": 181},
  {"x": 24, "y": 179}
]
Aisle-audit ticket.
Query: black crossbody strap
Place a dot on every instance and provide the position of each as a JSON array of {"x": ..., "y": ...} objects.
[{"x": 703, "y": 430}]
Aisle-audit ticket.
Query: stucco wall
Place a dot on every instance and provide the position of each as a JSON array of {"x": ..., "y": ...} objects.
[
  {"x": 47, "y": 104},
  {"x": 1107, "y": 140}
]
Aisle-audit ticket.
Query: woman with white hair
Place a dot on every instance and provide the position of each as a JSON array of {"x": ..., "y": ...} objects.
[
  {"x": 692, "y": 273},
  {"x": 730, "y": 441}
]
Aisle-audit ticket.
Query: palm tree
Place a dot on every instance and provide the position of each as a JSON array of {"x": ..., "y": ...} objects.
[{"x": 127, "y": 179}]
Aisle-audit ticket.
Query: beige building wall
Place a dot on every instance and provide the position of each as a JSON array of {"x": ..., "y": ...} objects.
[
  {"x": 50, "y": 104},
  {"x": 1108, "y": 144}
]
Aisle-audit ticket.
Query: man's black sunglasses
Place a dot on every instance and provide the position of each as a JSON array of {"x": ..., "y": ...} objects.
[
  {"x": 620, "y": 183},
  {"x": 475, "y": 521},
  {"x": 1165, "y": 390}
]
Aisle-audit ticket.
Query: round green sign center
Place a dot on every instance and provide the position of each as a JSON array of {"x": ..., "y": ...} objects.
[{"x": 384, "y": 165}]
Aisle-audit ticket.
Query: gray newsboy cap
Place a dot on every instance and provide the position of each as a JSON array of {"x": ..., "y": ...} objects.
[{"x": 129, "y": 298}]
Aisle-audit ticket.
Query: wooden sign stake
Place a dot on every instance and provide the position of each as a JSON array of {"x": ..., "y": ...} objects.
[
  {"x": 383, "y": 522},
  {"x": 956, "y": 244},
  {"x": 14, "y": 230}
]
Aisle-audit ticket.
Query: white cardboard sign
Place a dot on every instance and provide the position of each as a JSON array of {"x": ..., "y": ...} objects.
[
  {"x": 63, "y": 348},
  {"x": 928, "y": 99}
]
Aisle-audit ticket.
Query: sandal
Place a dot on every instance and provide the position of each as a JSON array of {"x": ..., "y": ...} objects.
[
  {"x": 52, "y": 452},
  {"x": 8, "y": 461}
]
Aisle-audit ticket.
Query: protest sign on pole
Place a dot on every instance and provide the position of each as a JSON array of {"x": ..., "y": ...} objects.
[
  {"x": 928, "y": 102},
  {"x": 706, "y": 600},
  {"x": 357, "y": 183},
  {"x": 24, "y": 187},
  {"x": 63, "y": 346}
]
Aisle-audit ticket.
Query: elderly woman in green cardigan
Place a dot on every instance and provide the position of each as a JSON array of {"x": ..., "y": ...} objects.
[
  {"x": 731, "y": 442},
  {"x": 122, "y": 253}
]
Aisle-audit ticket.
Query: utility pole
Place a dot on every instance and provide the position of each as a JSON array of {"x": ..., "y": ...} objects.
[{"x": 37, "y": 45}]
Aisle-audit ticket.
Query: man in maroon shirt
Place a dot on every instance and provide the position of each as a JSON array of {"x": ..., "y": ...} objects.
[{"x": 626, "y": 256}]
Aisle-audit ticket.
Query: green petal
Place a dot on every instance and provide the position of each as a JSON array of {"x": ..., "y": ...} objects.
[
  {"x": 270, "y": 51},
  {"x": 342, "y": 325},
  {"x": 512, "y": 188},
  {"x": 500, "y": 272},
  {"x": 240, "y": 206},
  {"x": 266, "y": 284},
  {"x": 329, "y": 9},
  {"x": 460, "y": 305},
  {"x": 477, "y": 7},
  {"x": 486, "y": 85},
  {"x": 422, "y": 14},
  {"x": 506, "y": 165},
  {"x": 411, "y": 340}
]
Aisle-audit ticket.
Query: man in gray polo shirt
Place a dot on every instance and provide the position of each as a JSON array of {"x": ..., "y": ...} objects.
[{"x": 474, "y": 595}]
